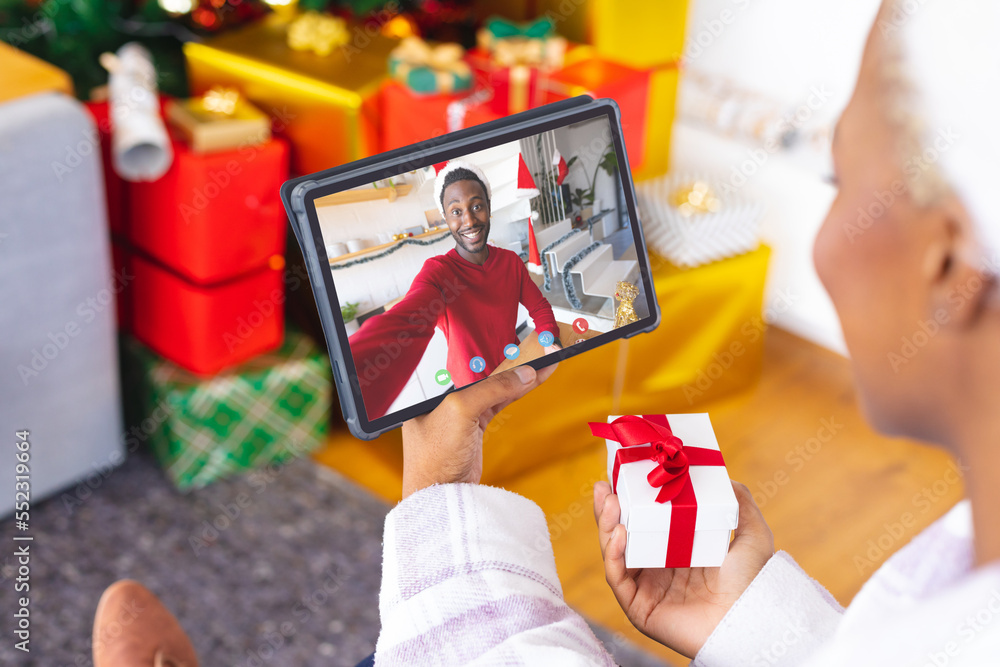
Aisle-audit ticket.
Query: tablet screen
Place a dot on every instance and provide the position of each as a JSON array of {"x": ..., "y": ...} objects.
[{"x": 454, "y": 271}]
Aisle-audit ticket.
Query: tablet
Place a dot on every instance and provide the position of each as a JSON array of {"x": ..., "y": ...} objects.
[{"x": 438, "y": 264}]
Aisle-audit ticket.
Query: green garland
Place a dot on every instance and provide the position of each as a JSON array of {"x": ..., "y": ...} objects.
[
  {"x": 387, "y": 251},
  {"x": 547, "y": 285},
  {"x": 568, "y": 280}
]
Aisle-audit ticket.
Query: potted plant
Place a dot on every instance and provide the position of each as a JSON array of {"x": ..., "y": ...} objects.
[
  {"x": 350, "y": 312},
  {"x": 585, "y": 198}
]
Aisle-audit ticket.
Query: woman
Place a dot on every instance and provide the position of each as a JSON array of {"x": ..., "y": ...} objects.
[{"x": 468, "y": 573}]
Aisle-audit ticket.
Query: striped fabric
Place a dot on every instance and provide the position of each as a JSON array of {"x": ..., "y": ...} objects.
[{"x": 468, "y": 577}]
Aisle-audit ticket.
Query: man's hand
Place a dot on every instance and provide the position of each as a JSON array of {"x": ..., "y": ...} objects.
[
  {"x": 680, "y": 607},
  {"x": 446, "y": 445}
]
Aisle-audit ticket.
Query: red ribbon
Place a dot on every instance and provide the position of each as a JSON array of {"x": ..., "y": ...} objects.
[{"x": 649, "y": 438}]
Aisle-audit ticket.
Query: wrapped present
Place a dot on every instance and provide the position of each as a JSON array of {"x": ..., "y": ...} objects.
[
  {"x": 265, "y": 411},
  {"x": 513, "y": 59},
  {"x": 600, "y": 77},
  {"x": 219, "y": 120},
  {"x": 205, "y": 328},
  {"x": 693, "y": 221},
  {"x": 213, "y": 216},
  {"x": 645, "y": 34},
  {"x": 409, "y": 117},
  {"x": 428, "y": 69},
  {"x": 115, "y": 190},
  {"x": 677, "y": 502},
  {"x": 325, "y": 105}
]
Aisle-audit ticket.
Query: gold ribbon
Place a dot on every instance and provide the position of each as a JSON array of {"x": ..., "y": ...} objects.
[
  {"x": 444, "y": 60},
  {"x": 318, "y": 33}
]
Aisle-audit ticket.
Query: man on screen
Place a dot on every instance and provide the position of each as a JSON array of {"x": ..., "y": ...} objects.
[{"x": 471, "y": 293}]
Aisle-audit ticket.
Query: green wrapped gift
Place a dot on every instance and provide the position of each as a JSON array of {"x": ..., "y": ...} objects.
[
  {"x": 430, "y": 69},
  {"x": 265, "y": 411}
]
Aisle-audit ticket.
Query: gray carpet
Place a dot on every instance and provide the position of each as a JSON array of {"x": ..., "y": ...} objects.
[{"x": 291, "y": 580}]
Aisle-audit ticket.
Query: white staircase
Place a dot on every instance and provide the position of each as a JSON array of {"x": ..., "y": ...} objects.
[
  {"x": 598, "y": 273},
  {"x": 560, "y": 254}
]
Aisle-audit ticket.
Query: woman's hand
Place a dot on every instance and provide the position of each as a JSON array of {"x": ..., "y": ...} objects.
[
  {"x": 446, "y": 445},
  {"x": 680, "y": 607}
]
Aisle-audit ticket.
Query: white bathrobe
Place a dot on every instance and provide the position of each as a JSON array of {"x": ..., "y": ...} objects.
[{"x": 469, "y": 578}]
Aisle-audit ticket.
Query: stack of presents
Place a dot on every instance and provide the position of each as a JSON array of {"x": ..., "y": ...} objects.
[{"x": 202, "y": 248}]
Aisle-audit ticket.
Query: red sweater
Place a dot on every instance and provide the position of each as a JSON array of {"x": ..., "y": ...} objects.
[{"x": 474, "y": 306}]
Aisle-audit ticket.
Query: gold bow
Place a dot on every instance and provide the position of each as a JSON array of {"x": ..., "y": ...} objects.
[
  {"x": 445, "y": 60},
  {"x": 548, "y": 52},
  {"x": 694, "y": 199},
  {"x": 220, "y": 100},
  {"x": 318, "y": 33}
]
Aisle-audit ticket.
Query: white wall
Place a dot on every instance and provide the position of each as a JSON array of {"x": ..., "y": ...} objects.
[{"x": 794, "y": 51}]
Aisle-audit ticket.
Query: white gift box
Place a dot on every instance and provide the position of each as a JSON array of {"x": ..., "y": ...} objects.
[
  {"x": 647, "y": 522},
  {"x": 702, "y": 238}
]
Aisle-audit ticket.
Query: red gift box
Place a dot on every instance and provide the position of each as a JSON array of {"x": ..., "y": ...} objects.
[
  {"x": 206, "y": 328},
  {"x": 627, "y": 86},
  {"x": 514, "y": 89},
  {"x": 213, "y": 216},
  {"x": 114, "y": 187},
  {"x": 409, "y": 117}
]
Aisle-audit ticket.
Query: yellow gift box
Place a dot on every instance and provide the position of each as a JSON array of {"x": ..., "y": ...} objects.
[
  {"x": 325, "y": 105},
  {"x": 710, "y": 343}
]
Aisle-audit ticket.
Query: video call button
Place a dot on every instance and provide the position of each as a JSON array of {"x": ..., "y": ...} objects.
[
  {"x": 580, "y": 325},
  {"x": 546, "y": 338},
  {"x": 477, "y": 364},
  {"x": 511, "y": 351},
  {"x": 442, "y": 377}
]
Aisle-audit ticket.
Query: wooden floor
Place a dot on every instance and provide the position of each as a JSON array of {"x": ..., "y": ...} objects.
[{"x": 834, "y": 493}]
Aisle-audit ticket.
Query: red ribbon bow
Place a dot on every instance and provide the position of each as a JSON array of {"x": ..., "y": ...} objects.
[{"x": 649, "y": 438}]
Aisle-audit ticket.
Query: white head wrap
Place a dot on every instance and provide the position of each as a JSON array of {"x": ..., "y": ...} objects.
[
  {"x": 951, "y": 57},
  {"x": 450, "y": 167}
]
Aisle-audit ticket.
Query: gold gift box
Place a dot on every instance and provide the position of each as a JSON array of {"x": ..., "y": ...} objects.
[
  {"x": 207, "y": 130},
  {"x": 325, "y": 105}
]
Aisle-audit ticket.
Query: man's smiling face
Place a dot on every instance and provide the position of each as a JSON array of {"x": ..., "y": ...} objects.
[{"x": 467, "y": 213}]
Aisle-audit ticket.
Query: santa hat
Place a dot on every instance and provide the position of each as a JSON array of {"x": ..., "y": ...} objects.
[
  {"x": 450, "y": 166},
  {"x": 559, "y": 162},
  {"x": 525, "y": 181},
  {"x": 534, "y": 258}
]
